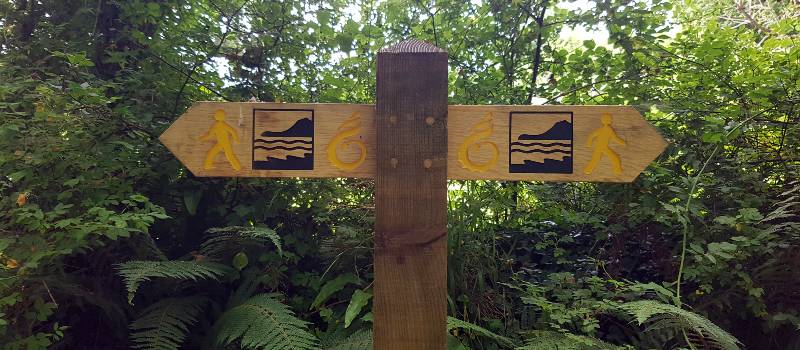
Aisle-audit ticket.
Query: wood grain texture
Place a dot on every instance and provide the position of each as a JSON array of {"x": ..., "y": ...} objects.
[
  {"x": 249, "y": 120},
  {"x": 410, "y": 303},
  {"x": 642, "y": 142}
]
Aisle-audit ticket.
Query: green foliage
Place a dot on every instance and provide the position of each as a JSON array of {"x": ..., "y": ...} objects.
[
  {"x": 136, "y": 272},
  {"x": 262, "y": 322},
  {"x": 357, "y": 303},
  {"x": 227, "y": 241},
  {"x": 554, "y": 340},
  {"x": 703, "y": 333},
  {"x": 254, "y": 322},
  {"x": 361, "y": 340},
  {"x": 333, "y": 286},
  {"x": 165, "y": 324},
  {"x": 456, "y": 324}
]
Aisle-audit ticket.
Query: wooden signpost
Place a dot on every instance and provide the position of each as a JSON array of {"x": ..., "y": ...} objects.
[{"x": 411, "y": 142}]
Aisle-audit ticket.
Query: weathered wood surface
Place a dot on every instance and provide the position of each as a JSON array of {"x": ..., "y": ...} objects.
[
  {"x": 642, "y": 143},
  {"x": 410, "y": 303},
  {"x": 480, "y": 136},
  {"x": 250, "y": 120}
]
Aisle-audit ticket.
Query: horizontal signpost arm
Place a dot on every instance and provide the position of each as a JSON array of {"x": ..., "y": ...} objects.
[
  {"x": 550, "y": 143},
  {"x": 493, "y": 142}
]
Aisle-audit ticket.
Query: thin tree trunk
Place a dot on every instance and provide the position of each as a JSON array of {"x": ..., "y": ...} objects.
[{"x": 537, "y": 56}]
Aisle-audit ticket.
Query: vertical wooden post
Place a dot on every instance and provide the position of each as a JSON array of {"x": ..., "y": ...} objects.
[{"x": 410, "y": 305}]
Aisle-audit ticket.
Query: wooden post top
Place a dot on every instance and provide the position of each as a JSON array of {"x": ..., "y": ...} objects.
[{"x": 412, "y": 46}]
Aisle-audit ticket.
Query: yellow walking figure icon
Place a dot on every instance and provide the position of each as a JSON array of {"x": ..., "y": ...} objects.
[
  {"x": 600, "y": 140},
  {"x": 221, "y": 132}
]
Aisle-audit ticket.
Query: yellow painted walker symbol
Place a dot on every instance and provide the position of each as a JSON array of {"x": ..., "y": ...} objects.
[
  {"x": 600, "y": 140},
  {"x": 477, "y": 139},
  {"x": 349, "y": 128},
  {"x": 221, "y": 131}
]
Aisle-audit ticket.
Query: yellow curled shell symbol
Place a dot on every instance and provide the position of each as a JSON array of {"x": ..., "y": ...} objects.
[
  {"x": 350, "y": 128},
  {"x": 475, "y": 141}
]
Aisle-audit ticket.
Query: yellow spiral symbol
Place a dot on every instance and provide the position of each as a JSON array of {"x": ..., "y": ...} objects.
[
  {"x": 351, "y": 127},
  {"x": 475, "y": 141}
]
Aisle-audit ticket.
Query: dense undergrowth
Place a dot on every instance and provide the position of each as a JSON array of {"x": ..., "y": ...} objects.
[{"x": 107, "y": 242}]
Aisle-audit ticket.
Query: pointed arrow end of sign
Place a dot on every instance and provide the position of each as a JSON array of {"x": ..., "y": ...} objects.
[
  {"x": 177, "y": 140},
  {"x": 656, "y": 144}
]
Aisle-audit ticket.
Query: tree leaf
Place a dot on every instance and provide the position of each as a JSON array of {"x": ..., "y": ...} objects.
[
  {"x": 357, "y": 302},
  {"x": 332, "y": 287}
]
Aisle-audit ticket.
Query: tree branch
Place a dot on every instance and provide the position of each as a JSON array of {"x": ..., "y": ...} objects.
[
  {"x": 537, "y": 56},
  {"x": 573, "y": 90},
  {"x": 208, "y": 56},
  {"x": 215, "y": 92}
]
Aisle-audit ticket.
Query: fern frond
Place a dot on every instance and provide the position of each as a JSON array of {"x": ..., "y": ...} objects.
[
  {"x": 785, "y": 215},
  {"x": 361, "y": 340},
  {"x": 554, "y": 340},
  {"x": 262, "y": 322},
  {"x": 454, "y": 323},
  {"x": 664, "y": 316},
  {"x": 230, "y": 240},
  {"x": 164, "y": 325},
  {"x": 137, "y": 271}
]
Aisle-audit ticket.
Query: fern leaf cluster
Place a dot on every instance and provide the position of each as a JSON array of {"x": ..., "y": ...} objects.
[
  {"x": 785, "y": 215},
  {"x": 454, "y": 323},
  {"x": 164, "y": 325},
  {"x": 263, "y": 322},
  {"x": 135, "y": 272},
  {"x": 361, "y": 340},
  {"x": 230, "y": 240},
  {"x": 701, "y": 331},
  {"x": 554, "y": 340}
]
